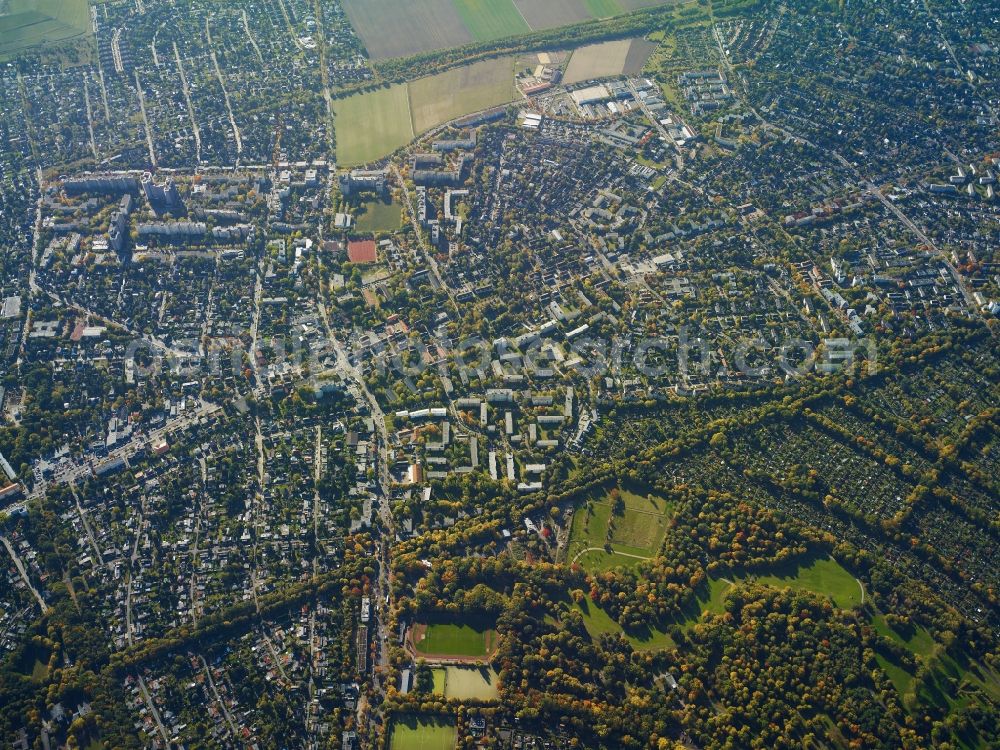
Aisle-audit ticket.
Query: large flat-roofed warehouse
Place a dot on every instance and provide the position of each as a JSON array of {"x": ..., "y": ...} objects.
[{"x": 591, "y": 95}]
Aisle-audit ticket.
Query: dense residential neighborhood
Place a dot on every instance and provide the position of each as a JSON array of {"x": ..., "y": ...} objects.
[{"x": 428, "y": 375}]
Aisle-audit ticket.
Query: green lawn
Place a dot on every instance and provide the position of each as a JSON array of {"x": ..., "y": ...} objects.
[
  {"x": 598, "y": 622},
  {"x": 822, "y": 576},
  {"x": 422, "y": 733},
  {"x": 440, "y": 680},
  {"x": 714, "y": 602},
  {"x": 377, "y": 217},
  {"x": 372, "y": 125},
  {"x": 491, "y": 19},
  {"x": 919, "y": 641},
  {"x": 637, "y": 535},
  {"x": 900, "y": 678},
  {"x": 450, "y": 639},
  {"x": 39, "y": 671}
]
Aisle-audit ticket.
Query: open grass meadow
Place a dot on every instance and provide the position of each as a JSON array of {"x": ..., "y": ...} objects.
[
  {"x": 823, "y": 576},
  {"x": 634, "y": 533},
  {"x": 598, "y": 622},
  {"x": 422, "y": 733},
  {"x": 952, "y": 681},
  {"x": 30, "y": 23},
  {"x": 373, "y": 124}
]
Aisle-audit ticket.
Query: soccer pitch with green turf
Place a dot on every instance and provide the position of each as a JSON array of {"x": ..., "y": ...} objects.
[
  {"x": 411, "y": 733},
  {"x": 453, "y": 639}
]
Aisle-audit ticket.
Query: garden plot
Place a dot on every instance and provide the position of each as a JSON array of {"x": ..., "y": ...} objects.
[{"x": 805, "y": 458}]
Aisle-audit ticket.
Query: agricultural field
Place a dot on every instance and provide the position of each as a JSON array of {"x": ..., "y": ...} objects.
[
  {"x": 624, "y": 56},
  {"x": 372, "y": 125},
  {"x": 491, "y": 19},
  {"x": 460, "y": 91},
  {"x": 548, "y": 14},
  {"x": 466, "y": 683},
  {"x": 376, "y": 217},
  {"x": 604, "y": 8},
  {"x": 453, "y": 640},
  {"x": 422, "y": 733},
  {"x": 398, "y": 28},
  {"x": 633, "y": 531},
  {"x": 29, "y": 23}
]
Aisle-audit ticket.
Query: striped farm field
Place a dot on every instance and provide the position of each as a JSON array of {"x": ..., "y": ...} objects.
[
  {"x": 400, "y": 28},
  {"x": 491, "y": 19}
]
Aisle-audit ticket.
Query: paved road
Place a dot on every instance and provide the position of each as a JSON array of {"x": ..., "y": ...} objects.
[{"x": 24, "y": 574}]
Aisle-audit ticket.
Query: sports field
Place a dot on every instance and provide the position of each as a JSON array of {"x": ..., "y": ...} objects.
[
  {"x": 29, "y": 23},
  {"x": 466, "y": 683},
  {"x": 379, "y": 217},
  {"x": 422, "y": 733},
  {"x": 636, "y": 531},
  {"x": 372, "y": 125},
  {"x": 452, "y": 640},
  {"x": 624, "y": 56}
]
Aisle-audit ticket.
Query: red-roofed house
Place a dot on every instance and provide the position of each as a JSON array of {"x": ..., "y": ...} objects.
[{"x": 362, "y": 251}]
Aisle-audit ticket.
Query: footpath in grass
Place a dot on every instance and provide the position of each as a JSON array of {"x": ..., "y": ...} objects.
[
  {"x": 422, "y": 733},
  {"x": 952, "y": 680},
  {"x": 618, "y": 527},
  {"x": 823, "y": 576}
]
